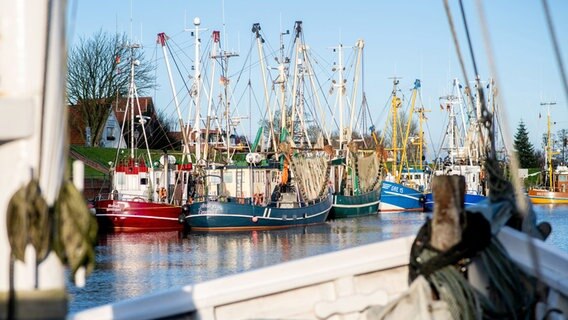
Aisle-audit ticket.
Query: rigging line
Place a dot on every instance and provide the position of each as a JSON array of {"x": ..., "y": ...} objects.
[
  {"x": 552, "y": 33},
  {"x": 326, "y": 101},
  {"x": 520, "y": 199},
  {"x": 247, "y": 59},
  {"x": 182, "y": 49},
  {"x": 155, "y": 69},
  {"x": 456, "y": 43},
  {"x": 436, "y": 154},
  {"x": 481, "y": 95},
  {"x": 178, "y": 69},
  {"x": 468, "y": 38},
  {"x": 523, "y": 205}
]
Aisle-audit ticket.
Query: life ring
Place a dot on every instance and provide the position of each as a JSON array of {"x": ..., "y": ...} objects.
[{"x": 163, "y": 193}]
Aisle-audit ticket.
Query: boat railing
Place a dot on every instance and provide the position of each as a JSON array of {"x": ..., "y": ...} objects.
[
  {"x": 249, "y": 201},
  {"x": 115, "y": 195}
]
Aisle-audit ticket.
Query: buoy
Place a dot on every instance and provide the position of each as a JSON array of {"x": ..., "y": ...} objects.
[{"x": 255, "y": 219}]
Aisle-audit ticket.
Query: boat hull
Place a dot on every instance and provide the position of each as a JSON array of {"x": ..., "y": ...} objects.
[
  {"x": 135, "y": 216},
  {"x": 234, "y": 216},
  {"x": 396, "y": 197},
  {"x": 548, "y": 197},
  {"x": 355, "y": 206},
  {"x": 469, "y": 200}
]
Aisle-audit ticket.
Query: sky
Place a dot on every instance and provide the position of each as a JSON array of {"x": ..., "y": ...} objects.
[{"x": 410, "y": 39}]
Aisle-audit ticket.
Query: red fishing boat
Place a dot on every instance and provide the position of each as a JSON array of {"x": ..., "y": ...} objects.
[{"x": 146, "y": 195}]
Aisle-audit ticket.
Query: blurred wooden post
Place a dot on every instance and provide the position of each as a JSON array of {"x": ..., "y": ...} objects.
[{"x": 449, "y": 193}]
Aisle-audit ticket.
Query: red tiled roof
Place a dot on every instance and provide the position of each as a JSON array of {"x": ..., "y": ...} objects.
[
  {"x": 146, "y": 103},
  {"x": 76, "y": 128}
]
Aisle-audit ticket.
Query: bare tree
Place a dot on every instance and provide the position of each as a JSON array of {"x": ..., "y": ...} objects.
[{"x": 98, "y": 73}]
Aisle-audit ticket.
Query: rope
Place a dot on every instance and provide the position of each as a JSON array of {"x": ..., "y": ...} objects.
[
  {"x": 456, "y": 43},
  {"x": 556, "y": 46},
  {"x": 511, "y": 292},
  {"x": 522, "y": 206},
  {"x": 75, "y": 230},
  {"x": 28, "y": 222}
]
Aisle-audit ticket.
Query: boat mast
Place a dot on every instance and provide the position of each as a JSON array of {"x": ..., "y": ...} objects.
[
  {"x": 162, "y": 38},
  {"x": 216, "y": 40},
  {"x": 360, "y": 44},
  {"x": 298, "y": 94},
  {"x": 197, "y": 88},
  {"x": 224, "y": 56},
  {"x": 282, "y": 80},
  {"x": 549, "y": 152},
  {"x": 422, "y": 119},
  {"x": 403, "y": 157},
  {"x": 341, "y": 86},
  {"x": 460, "y": 101},
  {"x": 259, "y": 41},
  {"x": 395, "y": 104}
]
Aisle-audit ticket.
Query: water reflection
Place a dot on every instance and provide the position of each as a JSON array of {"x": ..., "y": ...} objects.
[
  {"x": 133, "y": 264},
  {"x": 557, "y": 215}
]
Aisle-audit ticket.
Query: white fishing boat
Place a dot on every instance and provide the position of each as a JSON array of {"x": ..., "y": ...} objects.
[{"x": 461, "y": 142}]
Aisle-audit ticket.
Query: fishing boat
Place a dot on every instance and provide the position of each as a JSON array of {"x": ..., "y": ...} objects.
[
  {"x": 288, "y": 203},
  {"x": 461, "y": 142},
  {"x": 146, "y": 195},
  {"x": 402, "y": 188},
  {"x": 557, "y": 194},
  {"x": 284, "y": 188},
  {"x": 556, "y": 179},
  {"x": 356, "y": 168}
]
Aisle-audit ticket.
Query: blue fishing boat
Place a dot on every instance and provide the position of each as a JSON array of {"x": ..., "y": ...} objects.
[
  {"x": 469, "y": 200},
  {"x": 397, "y": 197},
  {"x": 234, "y": 214},
  {"x": 281, "y": 188},
  {"x": 233, "y": 197},
  {"x": 403, "y": 187}
]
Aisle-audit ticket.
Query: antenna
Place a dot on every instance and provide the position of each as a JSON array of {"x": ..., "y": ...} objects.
[
  {"x": 131, "y": 20},
  {"x": 224, "y": 30}
]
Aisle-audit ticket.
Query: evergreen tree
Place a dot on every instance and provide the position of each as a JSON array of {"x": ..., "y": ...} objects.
[{"x": 524, "y": 148}]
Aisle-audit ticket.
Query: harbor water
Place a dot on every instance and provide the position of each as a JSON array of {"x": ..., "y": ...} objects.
[{"x": 134, "y": 264}]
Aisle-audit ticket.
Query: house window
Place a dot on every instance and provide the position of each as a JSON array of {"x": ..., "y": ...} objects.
[{"x": 110, "y": 133}]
